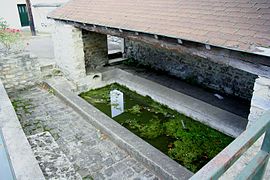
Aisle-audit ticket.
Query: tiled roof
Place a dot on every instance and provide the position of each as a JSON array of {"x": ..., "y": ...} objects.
[{"x": 235, "y": 24}]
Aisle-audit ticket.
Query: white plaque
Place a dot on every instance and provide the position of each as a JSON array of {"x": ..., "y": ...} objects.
[{"x": 117, "y": 102}]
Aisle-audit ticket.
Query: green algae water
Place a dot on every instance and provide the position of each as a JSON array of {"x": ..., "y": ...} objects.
[{"x": 190, "y": 143}]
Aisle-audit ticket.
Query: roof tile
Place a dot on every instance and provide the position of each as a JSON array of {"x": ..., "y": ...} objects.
[{"x": 231, "y": 24}]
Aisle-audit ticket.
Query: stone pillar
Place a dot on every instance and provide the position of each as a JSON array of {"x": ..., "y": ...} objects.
[
  {"x": 260, "y": 101},
  {"x": 95, "y": 49},
  {"x": 68, "y": 50}
]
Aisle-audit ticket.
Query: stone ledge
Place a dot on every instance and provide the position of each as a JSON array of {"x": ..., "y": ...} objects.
[{"x": 22, "y": 159}]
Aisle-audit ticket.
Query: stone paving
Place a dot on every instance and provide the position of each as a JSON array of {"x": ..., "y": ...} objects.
[
  {"x": 92, "y": 154},
  {"x": 53, "y": 162}
]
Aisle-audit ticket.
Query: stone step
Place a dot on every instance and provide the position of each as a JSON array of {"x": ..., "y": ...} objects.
[
  {"x": 47, "y": 67},
  {"x": 52, "y": 161},
  {"x": 117, "y": 61},
  {"x": 46, "y": 64}
]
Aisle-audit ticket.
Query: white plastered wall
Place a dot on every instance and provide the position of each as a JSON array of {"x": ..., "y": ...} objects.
[{"x": 68, "y": 50}]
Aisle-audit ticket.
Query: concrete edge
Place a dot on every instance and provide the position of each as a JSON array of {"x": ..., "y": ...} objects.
[
  {"x": 23, "y": 162},
  {"x": 203, "y": 112},
  {"x": 144, "y": 152}
]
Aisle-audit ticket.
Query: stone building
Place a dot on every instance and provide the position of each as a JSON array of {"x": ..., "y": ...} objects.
[{"x": 219, "y": 45}]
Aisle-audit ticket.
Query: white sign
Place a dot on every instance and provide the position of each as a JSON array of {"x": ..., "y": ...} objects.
[{"x": 117, "y": 102}]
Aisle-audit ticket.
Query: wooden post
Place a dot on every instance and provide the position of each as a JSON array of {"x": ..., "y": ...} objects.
[{"x": 31, "y": 19}]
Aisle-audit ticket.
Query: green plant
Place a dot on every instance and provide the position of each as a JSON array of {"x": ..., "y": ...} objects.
[
  {"x": 152, "y": 129},
  {"x": 135, "y": 109},
  {"x": 56, "y": 72},
  {"x": 3, "y": 23},
  {"x": 129, "y": 61},
  {"x": 51, "y": 91},
  {"x": 162, "y": 109},
  {"x": 8, "y": 36}
]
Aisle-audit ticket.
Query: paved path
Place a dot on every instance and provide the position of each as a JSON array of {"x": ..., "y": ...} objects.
[{"x": 92, "y": 154}]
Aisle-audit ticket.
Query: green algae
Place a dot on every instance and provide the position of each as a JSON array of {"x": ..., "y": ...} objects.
[{"x": 190, "y": 143}]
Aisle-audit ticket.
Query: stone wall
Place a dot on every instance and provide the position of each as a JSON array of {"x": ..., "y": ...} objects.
[
  {"x": 193, "y": 69},
  {"x": 260, "y": 101},
  {"x": 19, "y": 71},
  {"x": 95, "y": 49},
  {"x": 68, "y": 50}
]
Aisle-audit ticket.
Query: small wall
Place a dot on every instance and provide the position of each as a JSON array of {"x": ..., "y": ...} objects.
[
  {"x": 95, "y": 49},
  {"x": 193, "y": 69},
  {"x": 68, "y": 50},
  {"x": 19, "y": 71}
]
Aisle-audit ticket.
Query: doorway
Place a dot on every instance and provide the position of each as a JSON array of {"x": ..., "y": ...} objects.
[{"x": 115, "y": 47}]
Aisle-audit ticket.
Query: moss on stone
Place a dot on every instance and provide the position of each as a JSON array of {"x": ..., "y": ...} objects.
[
  {"x": 30, "y": 127},
  {"x": 22, "y": 104},
  {"x": 88, "y": 177}
]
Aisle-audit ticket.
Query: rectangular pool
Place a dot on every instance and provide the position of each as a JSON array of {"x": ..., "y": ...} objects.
[{"x": 188, "y": 142}]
